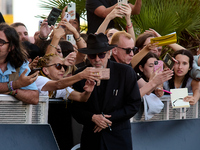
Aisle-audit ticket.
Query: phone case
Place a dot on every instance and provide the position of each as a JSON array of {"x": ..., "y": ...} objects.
[
  {"x": 168, "y": 61},
  {"x": 158, "y": 65},
  {"x": 122, "y": 2},
  {"x": 72, "y": 6},
  {"x": 165, "y": 40},
  {"x": 53, "y": 16}
]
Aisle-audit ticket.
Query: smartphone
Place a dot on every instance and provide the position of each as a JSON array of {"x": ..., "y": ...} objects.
[
  {"x": 72, "y": 6},
  {"x": 70, "y": 38},
  {"x": 53, "y": 16},
  {"x": 39, "y": 24},
  {"x": 67, "y": 16},
  {"x": 104, "y": 73},
  {"x": 168, "y": 60},
  {"x": 120, "y": 2},
  {"x": 34, "y": 70},
  {"x": 158, "y": 65}
]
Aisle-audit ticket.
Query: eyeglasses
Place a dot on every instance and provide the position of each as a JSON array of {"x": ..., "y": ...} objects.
[
  {"x": 58, "y": 66},
  {"x": 100, "y": 55},
  {"x": 128, "y": 50},
  {"x": 2, "y": 42}
]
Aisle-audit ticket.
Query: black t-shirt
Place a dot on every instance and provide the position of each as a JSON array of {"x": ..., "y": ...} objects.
[
  {"x": 93, "y": 20},
  {"x": 1, "y": 18},
  {"x": 138, "y": 76}
]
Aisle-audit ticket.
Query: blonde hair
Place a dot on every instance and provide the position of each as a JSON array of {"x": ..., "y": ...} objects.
[
  {"x": 44, "y": 61},
  {"x": 116, "y": 36}
]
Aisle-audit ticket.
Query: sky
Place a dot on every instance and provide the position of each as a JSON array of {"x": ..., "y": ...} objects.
[{"x": 25, "y": 11}]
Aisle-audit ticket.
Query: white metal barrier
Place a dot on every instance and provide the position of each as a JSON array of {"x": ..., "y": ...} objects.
[
  {"x": 13, "y": 111},
  {"x": 168, "y": 113}
]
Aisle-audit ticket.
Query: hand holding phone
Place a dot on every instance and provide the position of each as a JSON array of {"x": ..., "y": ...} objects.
[
  {"x": 158, "y": 65},
  {"x": 72, "y": 7},
  {"x": 169, "y": 61},
  {"x": 120, "y": 2}
]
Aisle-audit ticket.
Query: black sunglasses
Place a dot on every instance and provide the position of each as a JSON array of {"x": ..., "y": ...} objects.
[
  {"x": 58, "y": 66},
  {"x": 2, "y": 42},
  {"x": 100, "y": 55},
  {"x": 128, "y": 50}
]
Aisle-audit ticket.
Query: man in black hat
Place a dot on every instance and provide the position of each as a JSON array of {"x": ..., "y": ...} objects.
[{"x": 106, "y": 114}]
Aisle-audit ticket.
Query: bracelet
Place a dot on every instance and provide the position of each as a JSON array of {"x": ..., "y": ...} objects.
[
  {"x": 9, "y": 87},
  {"x": 42, "y": 38},
  {"x": 53, "y": 46},
  {"x": 15, "y": 92},
  {"x": 129, "y": 26},
  {"x": 78, "y": 39},
  {"x": 10, "y": 93}
]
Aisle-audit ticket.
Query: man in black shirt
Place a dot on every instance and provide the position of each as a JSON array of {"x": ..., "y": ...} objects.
[{"x": 97, "y": 10}]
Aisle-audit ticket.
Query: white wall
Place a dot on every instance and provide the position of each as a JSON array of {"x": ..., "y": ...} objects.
[{"x": 25, "y": 11}]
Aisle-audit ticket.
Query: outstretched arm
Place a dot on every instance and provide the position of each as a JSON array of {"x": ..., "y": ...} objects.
[
  {"x": 136, "y": 8},
  {"x": 89, "y": 73},
  {"x": 84, "y": 96},
  {"x": 116, "y": 12}
]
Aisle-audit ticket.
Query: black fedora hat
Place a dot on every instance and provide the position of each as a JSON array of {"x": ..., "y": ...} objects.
[{"x": 96, "y": 43}]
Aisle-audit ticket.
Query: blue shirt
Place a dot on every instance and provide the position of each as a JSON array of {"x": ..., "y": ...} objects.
[{"x": 4, "y": 77}]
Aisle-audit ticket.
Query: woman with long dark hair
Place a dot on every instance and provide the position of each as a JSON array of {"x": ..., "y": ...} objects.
[{"x": 181, "y": 78}]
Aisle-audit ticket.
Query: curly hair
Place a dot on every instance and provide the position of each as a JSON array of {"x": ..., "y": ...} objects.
[{"x": 17, "y": 56}]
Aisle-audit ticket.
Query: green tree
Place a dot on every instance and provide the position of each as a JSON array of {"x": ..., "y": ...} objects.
[{"x": 164, "y": 16}]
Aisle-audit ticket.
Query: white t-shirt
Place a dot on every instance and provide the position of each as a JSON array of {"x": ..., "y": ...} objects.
[{"x": 63, "y": 93}]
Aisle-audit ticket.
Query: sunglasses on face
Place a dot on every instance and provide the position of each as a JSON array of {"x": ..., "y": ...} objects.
[
  {"x": 2, "y": 42},
  {"x": 58, "y": 66},
  {"x": 100, "y": 55},
  {"x": 128, "y": 50}
]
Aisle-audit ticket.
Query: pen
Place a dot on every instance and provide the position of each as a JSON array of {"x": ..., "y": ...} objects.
[
  {"x": 165, "y": 91},
  {"x": 107, "y": 123}
]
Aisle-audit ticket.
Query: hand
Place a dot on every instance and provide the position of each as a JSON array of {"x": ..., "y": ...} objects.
[
  {"x": 97, "y": 129},
  {"x": 33, "y": 64},
  {"x": 126, "y": 8},
  {"x": 69, "y": 29},
  {"x": 163, "y": 76},
  {"x": 90, "y": 73},
  {"x": 154, "y": 32},
  {"x": 190, "y": 99},
  {"x": 116, "y": 12},
  {"x": 70, "y": 59},
  {"x": 101, "y": 121},
  {"x": 45, "y": 30},
  {"x": 58, "y": 32},
  {"x": 24, "y": 80},
  {"x": 159, "y": 91},
  {"x": 89, "y": 86},
  {"x": 71, "y": 13}
]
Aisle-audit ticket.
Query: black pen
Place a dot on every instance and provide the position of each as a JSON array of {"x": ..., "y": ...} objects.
[{"x": 107, "y": 123}]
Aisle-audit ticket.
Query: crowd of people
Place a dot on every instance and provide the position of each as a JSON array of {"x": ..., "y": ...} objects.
[{"x": 49, "y": 65}]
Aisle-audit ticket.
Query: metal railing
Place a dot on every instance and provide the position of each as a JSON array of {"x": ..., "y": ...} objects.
[{"x": 168, "y": 113}]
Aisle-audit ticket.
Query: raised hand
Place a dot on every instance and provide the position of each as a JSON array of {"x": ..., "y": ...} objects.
[
  {"x": 24, "y": 80},
  {"x": 33, "y": 64},
  {"x": 70, "y": 59},
  {"x": 45, "y": 30},
  {"x": 89, "y": 86},
  {"x": 116, "y": 12},
  {"x": 90, "y": 73}
]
